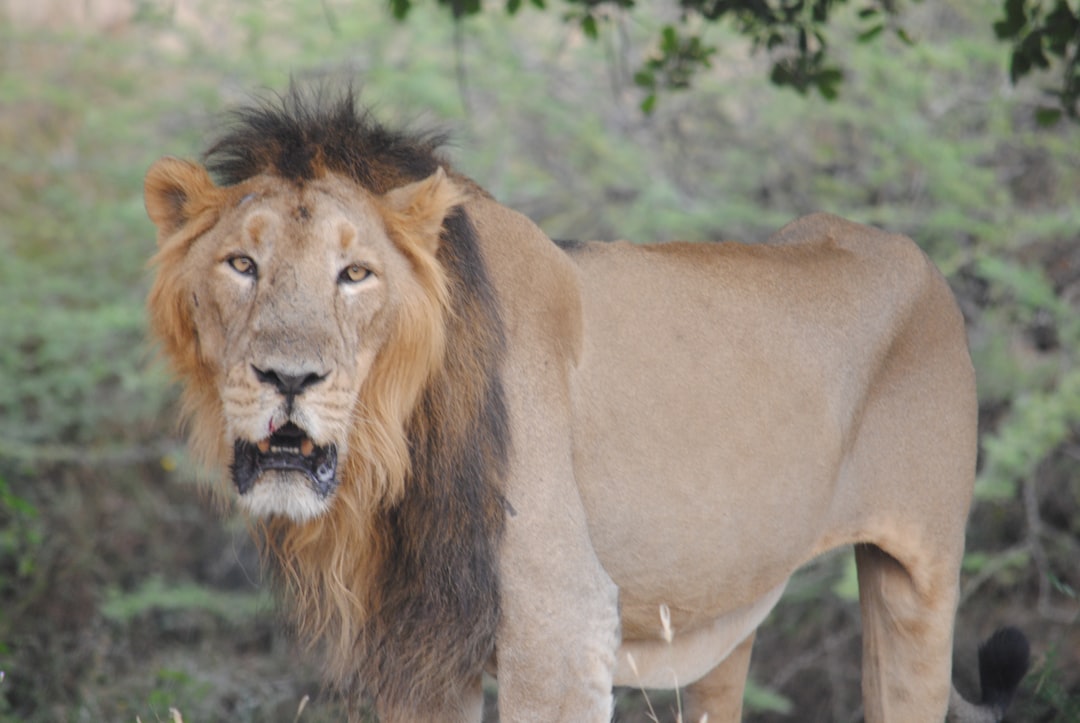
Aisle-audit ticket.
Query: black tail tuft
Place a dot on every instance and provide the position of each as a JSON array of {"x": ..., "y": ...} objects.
[{"x": 1003, "y": 661}]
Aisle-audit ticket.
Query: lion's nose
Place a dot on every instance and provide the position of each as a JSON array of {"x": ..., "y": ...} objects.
[{"x": 290, "y": 385}]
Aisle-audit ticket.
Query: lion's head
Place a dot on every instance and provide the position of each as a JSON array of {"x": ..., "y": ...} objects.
[
  {"x": 320, "y": 294},
  {"x": 307, "y": 315}
]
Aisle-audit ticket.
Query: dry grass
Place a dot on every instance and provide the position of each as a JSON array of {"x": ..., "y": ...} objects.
[{"x": 668, "y": 634}]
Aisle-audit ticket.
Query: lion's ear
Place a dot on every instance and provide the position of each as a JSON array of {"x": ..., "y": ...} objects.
[
  {"x": 421, "y": 207},
  {"x": 173, "y": 189}
]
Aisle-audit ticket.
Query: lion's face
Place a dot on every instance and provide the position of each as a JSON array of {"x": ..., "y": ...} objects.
[
  {"x": 277, "y": 298},
  {"x": 298, "y": 288}
]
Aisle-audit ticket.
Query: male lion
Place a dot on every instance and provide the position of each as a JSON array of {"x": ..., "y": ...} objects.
[{"x": 469, "y": 449}]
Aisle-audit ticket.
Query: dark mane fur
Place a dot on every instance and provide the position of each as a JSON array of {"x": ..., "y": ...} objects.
[
  {"x": 307, "y": 133},
  {"x": 434, "y": 595},
  {"x": 435, "y": 628}
]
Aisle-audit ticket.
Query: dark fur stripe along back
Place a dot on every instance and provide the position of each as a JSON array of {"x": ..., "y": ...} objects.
[{"x": 436, "y": 602}]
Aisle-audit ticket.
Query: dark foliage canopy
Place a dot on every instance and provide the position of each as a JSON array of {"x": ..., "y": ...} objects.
[{"x": 1043, "y": 34}]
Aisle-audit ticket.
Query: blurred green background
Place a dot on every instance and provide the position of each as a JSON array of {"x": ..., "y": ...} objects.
[{"x": 122, "y": 594}]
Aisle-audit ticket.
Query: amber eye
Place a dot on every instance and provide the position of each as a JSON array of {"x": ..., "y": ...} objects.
[
  {"x": 242, "y": 265},
  {"x": 353, "y": 274}
]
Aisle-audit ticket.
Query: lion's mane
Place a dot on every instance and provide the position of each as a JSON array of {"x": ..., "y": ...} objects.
[{"x": 398, "y": 583}]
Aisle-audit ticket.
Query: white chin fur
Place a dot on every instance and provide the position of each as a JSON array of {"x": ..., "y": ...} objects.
[{"x": 278, "y": 495}]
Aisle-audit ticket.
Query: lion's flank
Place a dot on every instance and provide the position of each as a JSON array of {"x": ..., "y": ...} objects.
[{"x": 403, "y": 599}]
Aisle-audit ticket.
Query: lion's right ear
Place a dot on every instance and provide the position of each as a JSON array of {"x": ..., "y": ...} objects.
[{"x": 173, "y": 191}]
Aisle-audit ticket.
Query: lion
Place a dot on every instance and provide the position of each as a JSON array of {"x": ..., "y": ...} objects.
[{"x": 469, "y": 449}]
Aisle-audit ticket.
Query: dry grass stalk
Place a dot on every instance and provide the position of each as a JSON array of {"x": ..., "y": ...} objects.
[{"x": 300, "y": 708}]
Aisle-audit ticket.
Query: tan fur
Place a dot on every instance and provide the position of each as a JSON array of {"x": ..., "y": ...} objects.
[{"x": 540, "y": 449}]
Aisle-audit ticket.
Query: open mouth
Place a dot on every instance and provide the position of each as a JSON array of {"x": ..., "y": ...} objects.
[{"x": 288, "y": 449}]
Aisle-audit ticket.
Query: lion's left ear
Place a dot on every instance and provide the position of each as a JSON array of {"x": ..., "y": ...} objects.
[{"x": 422, "y": 207}]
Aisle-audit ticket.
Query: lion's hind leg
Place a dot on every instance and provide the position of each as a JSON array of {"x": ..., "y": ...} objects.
[
  {"x": 907, "y": 629},
  {"x": 719, "y": 695}
]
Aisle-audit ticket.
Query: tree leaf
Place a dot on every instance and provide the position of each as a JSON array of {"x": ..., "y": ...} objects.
[
  {"x": 400, "y": 8},
  {"x": 669, "y": 40},
  {"x": 828, "y": 83},
  {"x": 1048, "y": 116},
  {"x": 1061, "y": 28},
  {"x": 1019, "y": 66},
  {"x": 1014, "y": 21},
  {"x": 645, "y": 78},
  {"x": 588, "y": 26},
  {"x": 867, "y": 35},
  {"x": 904, "y": 37}
]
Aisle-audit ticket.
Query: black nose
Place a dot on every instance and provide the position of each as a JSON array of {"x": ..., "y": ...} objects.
[{"x": 290, "y": 385}]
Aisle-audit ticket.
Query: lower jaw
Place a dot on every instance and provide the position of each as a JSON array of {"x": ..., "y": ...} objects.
[{"x": 283, "y": 494}]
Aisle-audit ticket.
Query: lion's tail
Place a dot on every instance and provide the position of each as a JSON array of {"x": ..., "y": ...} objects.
[{"x": 1003, "y": 661}]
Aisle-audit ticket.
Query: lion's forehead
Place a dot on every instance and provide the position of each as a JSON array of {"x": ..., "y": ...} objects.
[{"x": 302, "y": 219}]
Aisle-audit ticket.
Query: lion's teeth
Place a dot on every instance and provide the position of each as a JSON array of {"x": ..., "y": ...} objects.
[
  {"x": 264, "y": 445},
  {"x": 307, "y": 447}
]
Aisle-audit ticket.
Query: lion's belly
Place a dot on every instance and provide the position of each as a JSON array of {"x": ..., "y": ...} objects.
[
  {"x": 683, "y": 654},
  {"x": 703, "y": 547}
]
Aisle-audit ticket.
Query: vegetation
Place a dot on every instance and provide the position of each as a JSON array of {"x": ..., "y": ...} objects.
[
  {"x": 122, "y": 595},
  {"x": 796, "y": 34}
]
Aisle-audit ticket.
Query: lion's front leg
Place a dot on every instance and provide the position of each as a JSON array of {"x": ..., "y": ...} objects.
[
  {"x": 559, "y": 633},
  {"x": 556, "y": 646}
]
